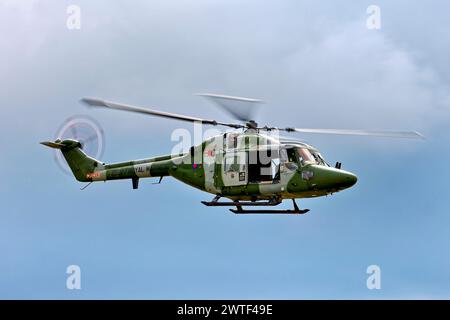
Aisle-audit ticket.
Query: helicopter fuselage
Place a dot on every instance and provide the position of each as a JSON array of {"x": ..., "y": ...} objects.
[{"x": 240, "y": 166}]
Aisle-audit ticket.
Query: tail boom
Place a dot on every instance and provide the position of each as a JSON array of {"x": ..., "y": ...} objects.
[{"x": 88, "y": 169}]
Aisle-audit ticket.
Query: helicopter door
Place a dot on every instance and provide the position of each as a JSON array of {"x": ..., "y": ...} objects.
[{"x": 234, "y": 169}]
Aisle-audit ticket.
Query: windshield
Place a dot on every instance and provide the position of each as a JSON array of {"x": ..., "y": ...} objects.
[
  {"x": 302, "y": 156},
  {"x": 319, "y": 159},
  {"x": 305, "y": 157}
]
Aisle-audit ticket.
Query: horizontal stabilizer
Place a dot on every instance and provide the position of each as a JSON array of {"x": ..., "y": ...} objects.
[{"x": 54, "y": 145}]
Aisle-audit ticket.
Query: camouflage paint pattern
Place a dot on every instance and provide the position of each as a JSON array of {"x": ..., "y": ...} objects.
[{"x": 203, "y": 168}]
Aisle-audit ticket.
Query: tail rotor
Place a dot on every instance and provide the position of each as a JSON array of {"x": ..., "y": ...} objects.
[{"x": 84, "y": 129}]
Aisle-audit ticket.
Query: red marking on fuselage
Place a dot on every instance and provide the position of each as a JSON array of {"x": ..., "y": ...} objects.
[{"x": 93, "y": 175}]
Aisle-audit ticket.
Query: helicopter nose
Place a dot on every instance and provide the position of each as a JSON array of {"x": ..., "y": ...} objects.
[
  {"x": 326, "y": 178},
  {"x": 347, "y": 179}
]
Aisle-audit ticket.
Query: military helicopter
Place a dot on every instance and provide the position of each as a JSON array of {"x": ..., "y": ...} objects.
[{"x": 249, "y": 165}]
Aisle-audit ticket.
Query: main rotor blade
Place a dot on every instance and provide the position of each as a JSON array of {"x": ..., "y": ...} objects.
[
  {"x": 239, "y": 107},
  {"x": 376, "y": 133},
  {"x": 92, "y": 102}
]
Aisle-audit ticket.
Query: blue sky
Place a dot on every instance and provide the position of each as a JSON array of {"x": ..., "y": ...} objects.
[{"x": 315, "y": 64}]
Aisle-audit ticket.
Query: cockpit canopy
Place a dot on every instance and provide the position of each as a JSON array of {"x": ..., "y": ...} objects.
[{"x": 302, "y": 156}]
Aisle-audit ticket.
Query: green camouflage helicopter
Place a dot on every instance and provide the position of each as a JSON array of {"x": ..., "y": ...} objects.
[{"x": 249, "y": 165}]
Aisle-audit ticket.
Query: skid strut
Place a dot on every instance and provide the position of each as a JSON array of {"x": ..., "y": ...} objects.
[{"x": 239, "y": 204}]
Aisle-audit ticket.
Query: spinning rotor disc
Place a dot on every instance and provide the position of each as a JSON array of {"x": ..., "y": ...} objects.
[{"x": 87, "y": 131}]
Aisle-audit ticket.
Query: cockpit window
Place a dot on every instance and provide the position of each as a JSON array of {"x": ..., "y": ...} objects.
[
  {"x": 305, "y": 156},
  {"x": 290, "y": 153},
  {"x": 320, "y": 160},
  {"x": 302, "y": 156}
]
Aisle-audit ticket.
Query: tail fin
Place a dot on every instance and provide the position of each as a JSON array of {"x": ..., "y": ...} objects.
[{"x": 79, "y": 162}]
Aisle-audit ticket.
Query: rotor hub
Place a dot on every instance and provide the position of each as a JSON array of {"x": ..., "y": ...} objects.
[{"x": 251, "y": 124}]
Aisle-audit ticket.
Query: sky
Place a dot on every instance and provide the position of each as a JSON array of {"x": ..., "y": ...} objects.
[{"x": 314, "y": 63}]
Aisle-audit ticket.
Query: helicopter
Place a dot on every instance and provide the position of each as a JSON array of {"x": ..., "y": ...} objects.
[{"x": 249, "y": 166}]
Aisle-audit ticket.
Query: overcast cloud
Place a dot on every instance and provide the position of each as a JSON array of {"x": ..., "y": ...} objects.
[{"x": 320, "y": 59}]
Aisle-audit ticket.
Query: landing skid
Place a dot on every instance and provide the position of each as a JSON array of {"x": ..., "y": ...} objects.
[
  {"x": 243, "y": 211},
  {"x": 239, "y": 210}
]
